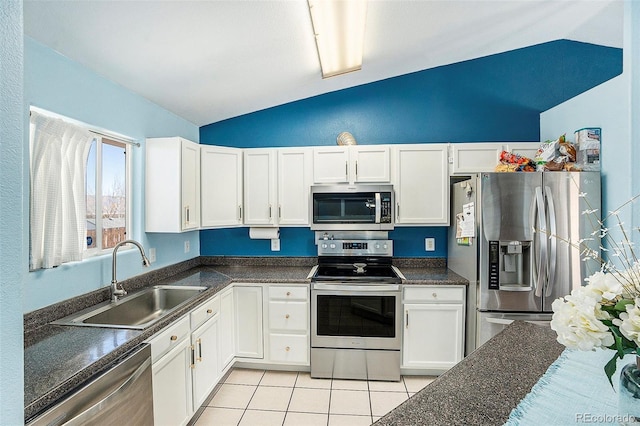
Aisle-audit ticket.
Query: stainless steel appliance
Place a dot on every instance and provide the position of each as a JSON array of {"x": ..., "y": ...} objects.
[
  {"x": 355, "y": 311},
  {"x": 352, "y": 207},
  {"x": 122, "y": 395},
  {"x": 519, "y": 259}
]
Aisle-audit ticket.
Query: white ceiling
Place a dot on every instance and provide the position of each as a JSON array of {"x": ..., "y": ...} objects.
[{"x": 211, "y": 60}]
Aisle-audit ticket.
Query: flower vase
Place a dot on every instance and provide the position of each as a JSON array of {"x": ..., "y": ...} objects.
[{"x": 629, "y": 393}]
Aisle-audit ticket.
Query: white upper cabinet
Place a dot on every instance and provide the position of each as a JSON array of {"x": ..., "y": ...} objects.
[
  {"x": 475, "y": 157},
  {"x": 369, "y": 163},
  {"x": 294, "y": 181},
  {"x": 172, "y": 185},
  {"x": 350, "y": 164},
  {"x": 221, "y": 186},
  {"x": 260, "y": 186},
  {"x": 276, "y": 187},
  {"x": 421, "y": 184},
  {"x": 331, "y": 164},
  {"x": 526, "y": 149}
]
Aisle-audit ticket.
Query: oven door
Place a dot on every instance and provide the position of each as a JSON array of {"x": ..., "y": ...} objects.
[{"x": 355, "y": 316}]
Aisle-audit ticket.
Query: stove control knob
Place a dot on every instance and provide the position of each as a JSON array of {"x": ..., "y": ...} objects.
[
  {"x": 384, "y": 246},
  {"x": 332, "y": 245},
  {"x": 377, "y": 246},
  {"x": 324, "y": 245}
]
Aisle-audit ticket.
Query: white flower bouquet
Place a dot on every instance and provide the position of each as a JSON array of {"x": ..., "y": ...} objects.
[{"x": 605, "y": 313}]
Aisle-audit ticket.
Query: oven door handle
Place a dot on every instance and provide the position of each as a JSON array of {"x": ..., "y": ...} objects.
[{"x": 360, "y": 288}]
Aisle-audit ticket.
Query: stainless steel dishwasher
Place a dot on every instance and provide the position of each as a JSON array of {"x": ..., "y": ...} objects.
[{"x": 121, "y": 395}]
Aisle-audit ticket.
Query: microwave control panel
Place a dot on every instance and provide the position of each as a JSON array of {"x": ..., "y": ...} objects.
[{"x": 386, "y": 209}]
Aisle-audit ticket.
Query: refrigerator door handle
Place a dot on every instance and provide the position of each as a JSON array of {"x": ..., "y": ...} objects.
[
  {"x": 551, "y": 261},
  {"x": 542, "y": 242}
]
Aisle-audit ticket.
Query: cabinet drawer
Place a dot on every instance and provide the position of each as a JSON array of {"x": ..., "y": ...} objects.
[
  {"x": 288, "y": 348},
  {"x": 289, "y": 292},
  {"x": 434, "y": 294},
  {"x": 169, "y": 338},
  {"x": 205, "y": 311},
  {"x": 288, "y": 316}
]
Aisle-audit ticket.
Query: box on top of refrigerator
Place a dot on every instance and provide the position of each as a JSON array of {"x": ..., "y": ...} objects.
[{"x": 588, "y": 142}]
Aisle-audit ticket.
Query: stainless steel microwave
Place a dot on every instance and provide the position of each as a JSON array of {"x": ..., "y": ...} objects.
[{"x": 352, "y": 207}]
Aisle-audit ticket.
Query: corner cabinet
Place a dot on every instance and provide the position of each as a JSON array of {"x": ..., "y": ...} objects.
[
  {"x": 172, "y": 185},
  {"x": 248, "y": 321},
  {"x": 421, "y": 183},
  {"x": 351, "y": 164},
  {"x": 433, "y": 337},
  {"x": 220, "y": 186}
]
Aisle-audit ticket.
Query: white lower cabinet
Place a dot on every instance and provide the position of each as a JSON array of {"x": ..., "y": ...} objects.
[
  {"x": 185, "y": 364},
  {"x": 433, "y": 337},
  {"x": 248, "y": 321},
  {"x": 227, "y": 330},
  {"x": 288, "y": 324},
  {"x": 172, "y": 383},
  {"x": 205, "y": 367}
]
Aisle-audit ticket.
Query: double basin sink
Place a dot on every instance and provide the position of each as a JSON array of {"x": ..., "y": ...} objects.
[{"x": 136, "y": 311}]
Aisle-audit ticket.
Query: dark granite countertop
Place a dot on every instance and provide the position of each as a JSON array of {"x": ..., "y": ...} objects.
[
  {"x": 485, "y": 386},
  {"x": 57, "y": 358}
]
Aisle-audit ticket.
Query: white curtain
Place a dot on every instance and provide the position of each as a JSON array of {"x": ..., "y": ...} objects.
[{"x": 59, "y": 152}]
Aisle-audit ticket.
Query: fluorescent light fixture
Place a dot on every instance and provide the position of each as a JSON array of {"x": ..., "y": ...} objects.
[{"x": 338, "y": 26}]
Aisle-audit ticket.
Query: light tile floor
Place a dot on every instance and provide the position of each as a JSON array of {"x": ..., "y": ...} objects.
[{"x": 258, "y": 397}]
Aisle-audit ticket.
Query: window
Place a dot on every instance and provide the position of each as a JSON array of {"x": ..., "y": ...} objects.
[{"x": 107, "y": 195}]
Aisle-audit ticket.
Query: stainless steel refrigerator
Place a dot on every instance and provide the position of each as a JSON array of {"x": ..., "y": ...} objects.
[{"x": 513, "y": 236}]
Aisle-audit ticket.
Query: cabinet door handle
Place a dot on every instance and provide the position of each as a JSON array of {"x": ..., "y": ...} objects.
[
  {"x": 209, "y": 311},
  {"x": 288, "y": 293},
  {"x": 346, "y": 169},
  {"x": 186, "y": 215},
  {"x": 199, "y": 349},
  {"x": 287, "y": 316},
  {"x": 356, "y": 169},
  {"x": 397, "y": 210},
  {"x": 239, "y": 212},
  {"x": 193, "y": 356},
  {"x": 174, "y": 338},
  {"x": 269, "y": 211},
  {"x": 287, "y": 349},
  {"x": 406, "y": 324}
]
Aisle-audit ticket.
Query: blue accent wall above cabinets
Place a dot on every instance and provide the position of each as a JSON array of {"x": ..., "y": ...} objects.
[
  {"x": 494, "y": 98},
  {"x": 497, "y": 98}
]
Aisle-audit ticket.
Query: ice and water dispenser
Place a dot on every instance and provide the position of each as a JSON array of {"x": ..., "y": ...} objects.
[{"x": 509, "y": 265}]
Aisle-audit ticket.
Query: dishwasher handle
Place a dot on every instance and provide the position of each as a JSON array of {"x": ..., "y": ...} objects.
[{"x": 90, "y": 412}]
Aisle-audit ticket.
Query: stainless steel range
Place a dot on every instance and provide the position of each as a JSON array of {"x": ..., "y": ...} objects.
[{"x": 355, "y": 311}]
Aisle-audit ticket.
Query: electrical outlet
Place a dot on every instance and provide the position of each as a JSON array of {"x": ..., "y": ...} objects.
[
  {"x": 430, "y": 244},
  {"x": 187, "y": 246},
  {"x": 152, "y": 254},
  {"x": 275, "y": 244}
]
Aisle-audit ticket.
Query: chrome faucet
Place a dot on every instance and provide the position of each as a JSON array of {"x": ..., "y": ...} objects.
[{"x": 115, "y": 291}]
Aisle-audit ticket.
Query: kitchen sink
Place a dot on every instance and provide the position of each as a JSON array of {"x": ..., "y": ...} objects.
[{"x": 137, "y": 311}]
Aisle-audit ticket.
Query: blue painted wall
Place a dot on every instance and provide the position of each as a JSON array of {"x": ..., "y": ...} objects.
[
  {"x": 57, "y": 84},
  {"x": 494, "y": 98}
]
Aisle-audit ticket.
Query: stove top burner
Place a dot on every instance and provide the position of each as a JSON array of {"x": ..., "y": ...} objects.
[{"x": 348, "y": 272}]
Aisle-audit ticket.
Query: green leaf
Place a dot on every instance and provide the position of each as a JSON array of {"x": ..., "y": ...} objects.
[
  {"x": 610, "y": 367},
  {"x": 621, "y": 306}
]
